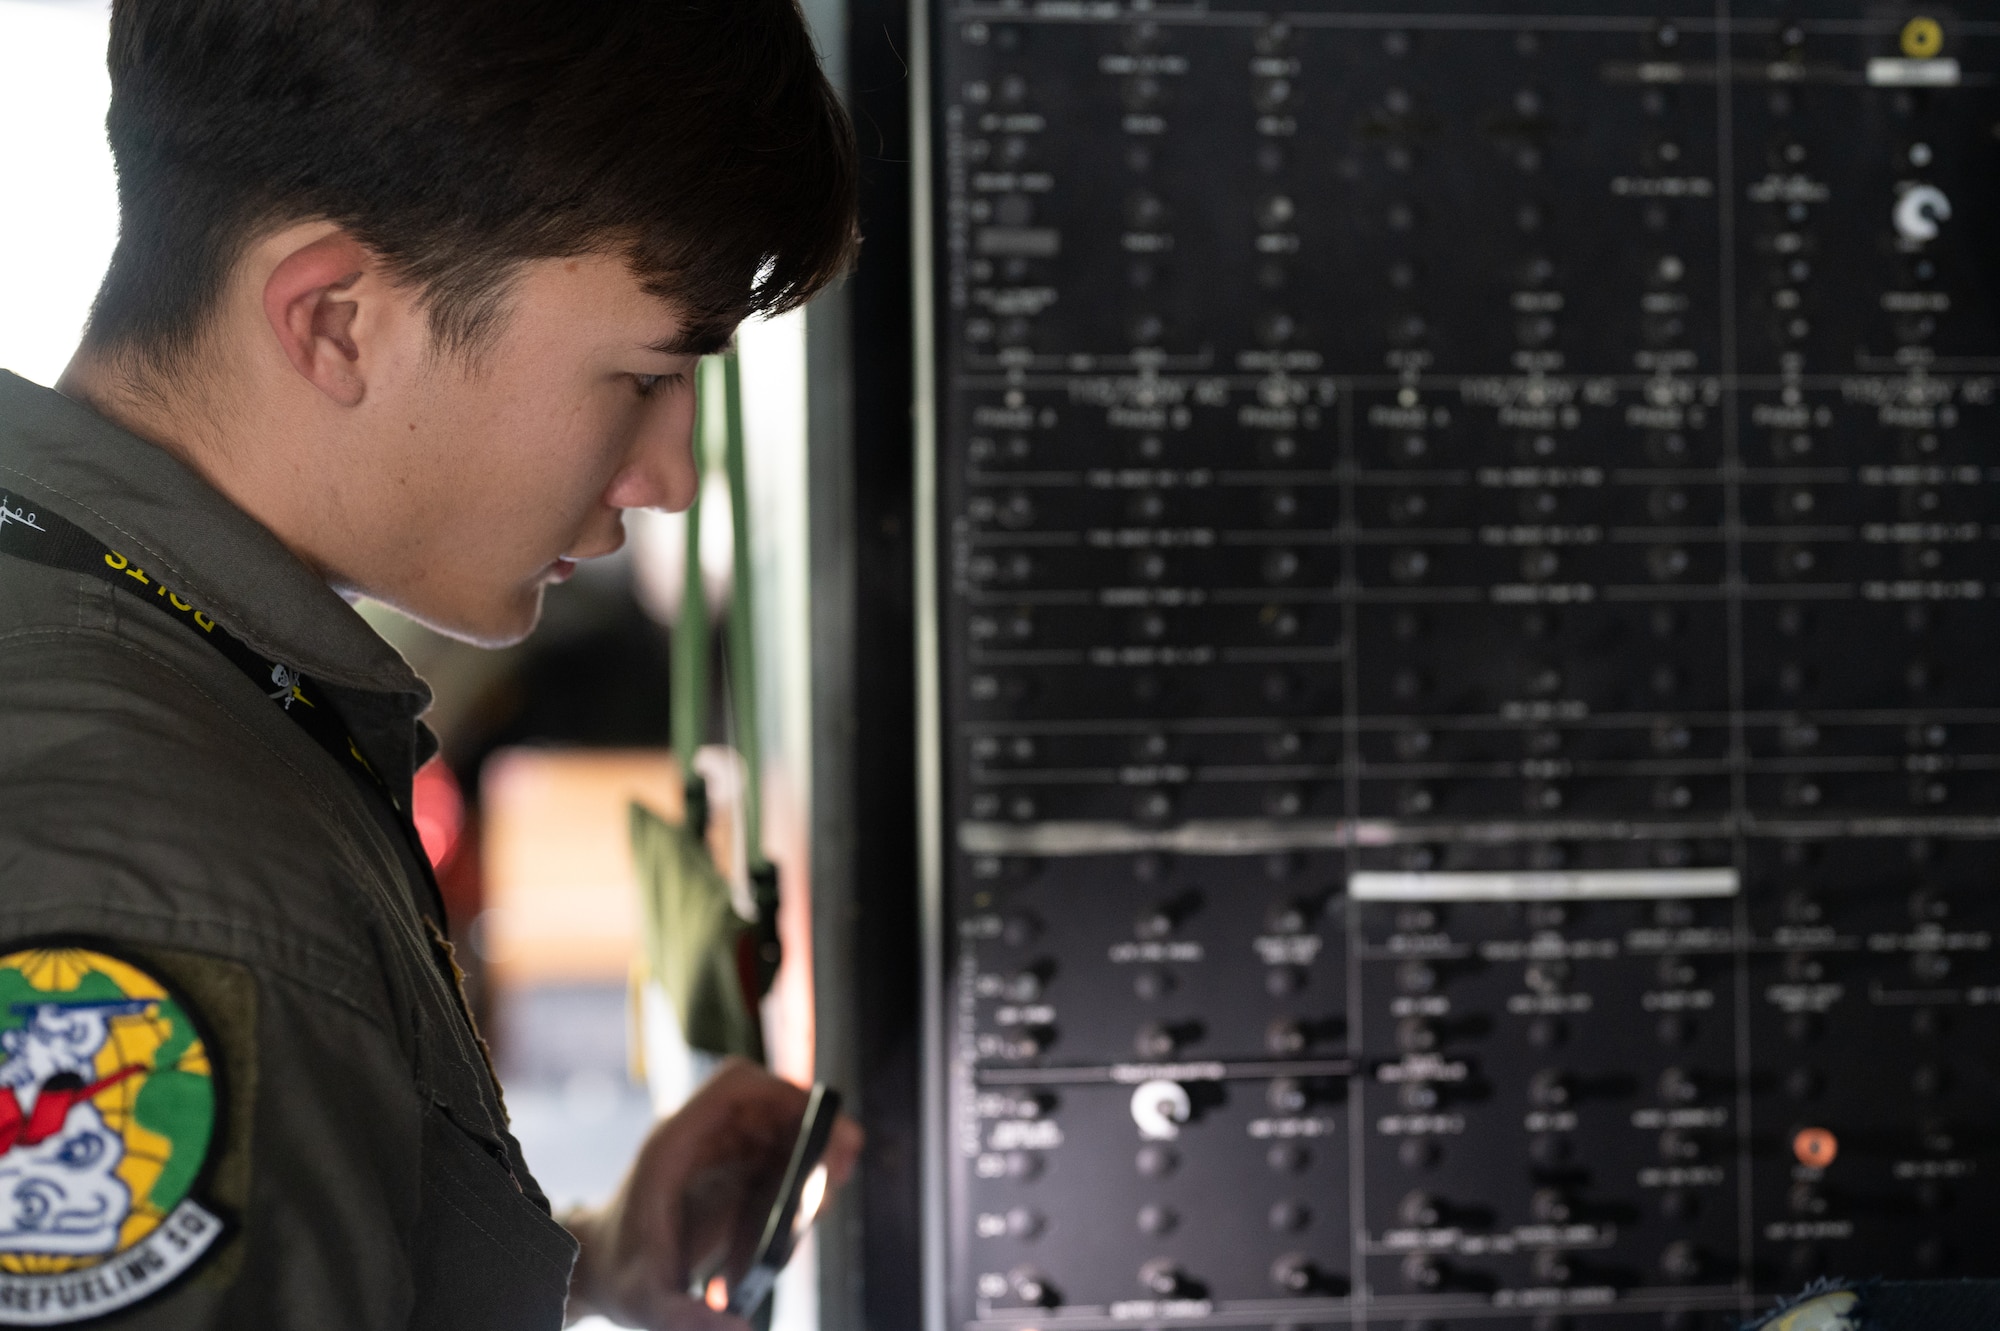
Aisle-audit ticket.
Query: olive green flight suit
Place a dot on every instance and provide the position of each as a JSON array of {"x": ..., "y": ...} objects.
[{"x": 153, "y": 801}]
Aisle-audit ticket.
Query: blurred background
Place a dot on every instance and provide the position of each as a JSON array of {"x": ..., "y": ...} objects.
[{"x": 545, "y": 745}]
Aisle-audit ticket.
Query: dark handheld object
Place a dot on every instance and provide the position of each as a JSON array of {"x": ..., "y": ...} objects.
[{"x": 787, "y": 1222}]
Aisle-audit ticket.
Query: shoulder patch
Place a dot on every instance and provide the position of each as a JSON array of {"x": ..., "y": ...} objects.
[{"x": 109, "y": 1110}]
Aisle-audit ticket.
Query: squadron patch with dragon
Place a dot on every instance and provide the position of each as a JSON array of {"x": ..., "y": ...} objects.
[{"x": 108, "y": 1117}]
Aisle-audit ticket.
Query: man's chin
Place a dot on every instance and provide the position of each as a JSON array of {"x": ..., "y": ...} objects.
[{"x": 502, "y": 624}]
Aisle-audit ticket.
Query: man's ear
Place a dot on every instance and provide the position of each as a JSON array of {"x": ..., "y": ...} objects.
[{"x": 308, "y": 300}]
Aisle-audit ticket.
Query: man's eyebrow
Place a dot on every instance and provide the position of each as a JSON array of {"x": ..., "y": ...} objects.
[{"x": 695, "y": 342}]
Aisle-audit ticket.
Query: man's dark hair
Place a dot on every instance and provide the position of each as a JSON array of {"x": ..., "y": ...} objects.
[{"x": 458, "y": 138}]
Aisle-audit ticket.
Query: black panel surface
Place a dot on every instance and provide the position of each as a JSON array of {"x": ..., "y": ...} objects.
[{"x": 1471, "y": 744}]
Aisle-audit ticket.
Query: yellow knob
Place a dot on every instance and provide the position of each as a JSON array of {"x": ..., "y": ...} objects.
[{"x": 1922, "y": 38}]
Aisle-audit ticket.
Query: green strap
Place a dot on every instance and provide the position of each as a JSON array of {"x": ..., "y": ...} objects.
[
  {"x": 687, "y": 687},
  {"x": 719, "y": 410},
  {"x": 742, "y": 648},
  {"x": 742, "y": 629},
  {"x": 719, "y": 428}
]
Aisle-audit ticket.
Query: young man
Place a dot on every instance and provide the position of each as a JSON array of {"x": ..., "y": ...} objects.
[{"x": 407, "y": 301}]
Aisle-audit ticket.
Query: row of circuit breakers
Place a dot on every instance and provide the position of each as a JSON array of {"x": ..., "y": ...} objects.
[{"x": 1469, "y": 729}]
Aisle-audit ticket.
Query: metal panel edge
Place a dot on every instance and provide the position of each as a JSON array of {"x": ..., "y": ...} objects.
[{"x": 935, "y": 1062}]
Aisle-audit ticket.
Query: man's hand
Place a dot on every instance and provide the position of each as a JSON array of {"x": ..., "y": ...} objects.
[{"x": 695, "y": 1202}]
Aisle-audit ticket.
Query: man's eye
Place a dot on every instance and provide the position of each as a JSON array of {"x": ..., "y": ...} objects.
[{"x": 648, "y": 384}]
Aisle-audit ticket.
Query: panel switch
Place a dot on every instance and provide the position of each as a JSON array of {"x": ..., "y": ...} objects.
[{"x": 1159, "y": 1108}]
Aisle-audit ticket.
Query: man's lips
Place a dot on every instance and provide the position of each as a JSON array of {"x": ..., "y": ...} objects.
[{"x": 560, "y": 568}]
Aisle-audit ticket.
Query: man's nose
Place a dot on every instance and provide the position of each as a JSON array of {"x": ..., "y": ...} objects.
[
  {"x": 678, "y": 478},
  {"x": 661, "y": 471}
]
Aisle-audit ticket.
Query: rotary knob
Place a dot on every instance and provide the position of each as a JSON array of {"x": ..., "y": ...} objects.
[
  {"x": 1918, "y": 212},
  {"x": 1160, "y": 1107}
]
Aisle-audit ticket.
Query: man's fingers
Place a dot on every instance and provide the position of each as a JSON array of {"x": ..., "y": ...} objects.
[
  {"x": 742, "y": 1102},
  {"x": 698, "y": 1195},
  {"x": 742, "y": 1117}
]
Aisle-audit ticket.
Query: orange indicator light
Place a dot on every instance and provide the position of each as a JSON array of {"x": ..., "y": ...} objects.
[{"x": 1815, "y": 1147}]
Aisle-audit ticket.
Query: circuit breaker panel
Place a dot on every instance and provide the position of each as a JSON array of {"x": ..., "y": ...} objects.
[{"x": 1469, "y": 687}]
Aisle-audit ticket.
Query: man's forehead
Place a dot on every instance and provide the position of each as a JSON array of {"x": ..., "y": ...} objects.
[{"x": 604, "y": 285}]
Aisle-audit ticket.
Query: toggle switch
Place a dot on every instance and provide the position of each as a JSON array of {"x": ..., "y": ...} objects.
[
  {"x": 1550, "y": 1206},
  {"x": 1296, "y": 1274},
  {"x": 1550, "y": 1088},
  {"x": 1163, "y": 1279},
  {"x": 1032, "y": 1287}
]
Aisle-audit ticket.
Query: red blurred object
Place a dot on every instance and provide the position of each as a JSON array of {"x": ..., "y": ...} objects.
[
  {"x": 449, "y": 828},
  {"x": 437, "y": 807},
  {"x": 1815, "y": 1147}
]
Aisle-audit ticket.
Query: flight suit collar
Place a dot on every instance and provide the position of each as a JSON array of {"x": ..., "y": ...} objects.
[{"x": 145, "y": 503}]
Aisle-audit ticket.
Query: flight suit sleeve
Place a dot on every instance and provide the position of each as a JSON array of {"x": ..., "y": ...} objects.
[
  {"x": 195, "y": 1140},
  {"x": 234, "y": 1089}
]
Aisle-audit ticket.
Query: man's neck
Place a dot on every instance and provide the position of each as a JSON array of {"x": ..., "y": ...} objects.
[{"x": 194, "y": 420}]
